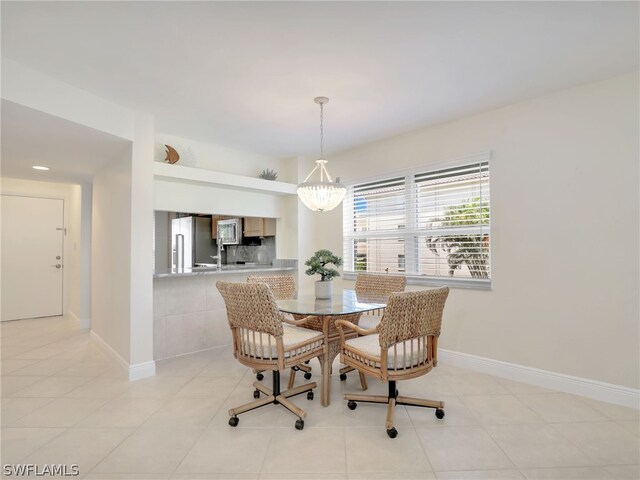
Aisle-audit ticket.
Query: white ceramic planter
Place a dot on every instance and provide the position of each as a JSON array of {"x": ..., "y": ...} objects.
[{"x": 324, "y": 289}]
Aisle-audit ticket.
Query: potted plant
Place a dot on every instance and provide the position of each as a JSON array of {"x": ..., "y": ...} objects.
[{"x": 318, "y": 265}]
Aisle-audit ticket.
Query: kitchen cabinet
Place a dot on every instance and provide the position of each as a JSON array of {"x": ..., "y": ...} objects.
[
  {"x": 259, "y": 227},
  {"x": 214, "y": 224},
  {"x": 269, "y": 227}
]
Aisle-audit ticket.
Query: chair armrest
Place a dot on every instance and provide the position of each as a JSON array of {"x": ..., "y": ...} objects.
[
  {"x": 351, "y": 326},
  {"x": 297, "y": 323}
]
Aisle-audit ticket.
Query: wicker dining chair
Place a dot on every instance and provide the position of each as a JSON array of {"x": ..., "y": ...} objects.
[
  {"x": 265, "y": 339},
  {"x": 283, "y": 287},
  {"x": 403, "y": 346},
  {"x": 372, "y": 285}
]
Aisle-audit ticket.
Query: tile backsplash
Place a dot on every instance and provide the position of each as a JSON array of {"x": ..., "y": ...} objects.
[{"x": 261, "y": 250}]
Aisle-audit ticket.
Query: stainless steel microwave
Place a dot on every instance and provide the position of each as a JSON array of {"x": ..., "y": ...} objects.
[{"x": 230, "y": 231}]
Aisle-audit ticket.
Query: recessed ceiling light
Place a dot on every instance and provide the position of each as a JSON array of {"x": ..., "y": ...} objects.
[{"x": 38, "y": 167}]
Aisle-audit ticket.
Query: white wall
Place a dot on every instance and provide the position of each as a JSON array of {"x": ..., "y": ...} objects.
[
  {"x": 75, "y": 239},
  {"x": 25, "y": 86},
  {"x": 141, "y": 239},
  {"x": 85, "y": 253},
  {"x": 111, "y": 255},
  {"x": 564, "y": 233},
  {"x": 216, "y": 157},
  {"x": 178, "y": 196},
  {"x": 287, "y": 229},
  {"x": 122, "y": 257},
  {"x": 74, "y": 297}
]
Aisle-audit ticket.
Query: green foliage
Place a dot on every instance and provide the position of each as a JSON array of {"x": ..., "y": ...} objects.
[
  {"x": 463, "y": 249},
  {"x": 360, "y": 263},
  {"x": 268, "y": 174},
  {"x": 469, "y": 212},
  {"x": 318, "y": 265}
]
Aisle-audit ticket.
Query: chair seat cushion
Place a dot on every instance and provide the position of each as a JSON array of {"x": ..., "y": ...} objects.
[
  {"x": 292, "y": 335},
  {"x": 370, "y": 345},
  {"x": 368, "y": 322}
]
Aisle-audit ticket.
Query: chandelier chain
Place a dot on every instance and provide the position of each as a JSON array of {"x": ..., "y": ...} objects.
[{"x": 321, "y": 130}]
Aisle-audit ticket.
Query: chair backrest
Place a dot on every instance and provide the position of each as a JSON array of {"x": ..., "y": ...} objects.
[
  {"x": 283, "y": 287},
  {"x": 369, "y": 284},
  {"x": 251, "y": 306},
  {"x": 412, "y": 315}
]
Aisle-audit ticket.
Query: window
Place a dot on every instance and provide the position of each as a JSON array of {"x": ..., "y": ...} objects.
[{"x": 431, "y": 225}]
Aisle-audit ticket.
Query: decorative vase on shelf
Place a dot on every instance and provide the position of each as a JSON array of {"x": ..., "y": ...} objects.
[
  {"x": 324, "y": 289},
  {"x": 318, "y": 265}
]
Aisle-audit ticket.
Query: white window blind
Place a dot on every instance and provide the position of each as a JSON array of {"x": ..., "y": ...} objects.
[{"x": 429, "y": 224}]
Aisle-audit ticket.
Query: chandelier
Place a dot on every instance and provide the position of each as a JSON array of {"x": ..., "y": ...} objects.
[{"x": 326, "y": 194}]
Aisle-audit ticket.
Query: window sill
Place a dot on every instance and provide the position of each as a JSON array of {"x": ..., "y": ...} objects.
[{"x": 436, "y": 281}]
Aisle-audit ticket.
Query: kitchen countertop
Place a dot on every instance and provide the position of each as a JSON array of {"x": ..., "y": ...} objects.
[{"x": 226, "y": 269}]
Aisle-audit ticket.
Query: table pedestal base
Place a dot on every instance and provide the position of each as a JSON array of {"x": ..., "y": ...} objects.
[{"x": 332, "y": 340}]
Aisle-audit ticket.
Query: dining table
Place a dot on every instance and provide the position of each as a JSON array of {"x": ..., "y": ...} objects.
[{"x": 321, "y": 314}]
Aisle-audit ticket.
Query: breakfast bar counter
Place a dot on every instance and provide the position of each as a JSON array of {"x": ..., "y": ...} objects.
[
  {"x": 188, "y": 311},
  {"x": 247, "y": 269}
]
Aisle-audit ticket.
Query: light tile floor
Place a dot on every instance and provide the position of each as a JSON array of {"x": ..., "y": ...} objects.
[{"x": 65, "y": 401}]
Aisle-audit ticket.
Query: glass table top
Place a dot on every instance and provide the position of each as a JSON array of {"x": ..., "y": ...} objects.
[{"x": 343, "y": 302}]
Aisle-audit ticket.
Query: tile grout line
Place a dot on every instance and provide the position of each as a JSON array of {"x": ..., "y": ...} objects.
[
  {"x": 204, "y": 430},
  {"x": 588, "y": 455},
  {"x": 110, "y": 451},
  {"x": 51, "y": 399},
  {"x": 495, "y": 442},
  {"x": 44, "y": 444}
]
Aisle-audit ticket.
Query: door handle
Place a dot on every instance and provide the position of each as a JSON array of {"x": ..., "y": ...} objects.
[{"x": 57, "y": 265}]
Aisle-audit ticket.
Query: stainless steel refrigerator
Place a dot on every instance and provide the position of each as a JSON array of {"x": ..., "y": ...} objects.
[{"x": 191, "y": 241}]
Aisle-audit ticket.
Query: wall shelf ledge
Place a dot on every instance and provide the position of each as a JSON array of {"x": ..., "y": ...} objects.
[{"x": 183, "y": 174}]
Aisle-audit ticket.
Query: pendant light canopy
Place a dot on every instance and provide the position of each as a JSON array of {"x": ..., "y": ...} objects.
[{"x": 326, "y": 194}]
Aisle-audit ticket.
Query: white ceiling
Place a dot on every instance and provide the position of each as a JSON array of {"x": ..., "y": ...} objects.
[
  {"x": 73, "y": 152},
  {"x": 244, "y": 74}
]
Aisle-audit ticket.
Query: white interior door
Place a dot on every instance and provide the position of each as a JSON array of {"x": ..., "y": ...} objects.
[{"x": 32, "y": 257}]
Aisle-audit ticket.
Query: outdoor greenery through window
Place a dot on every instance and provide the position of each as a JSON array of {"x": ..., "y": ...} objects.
[{"x": 427, "y": 224}]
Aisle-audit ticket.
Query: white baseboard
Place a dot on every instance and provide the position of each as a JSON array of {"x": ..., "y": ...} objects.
[
  {"x": 110, "y": 351},
  {"x": 137, "y": 371},
  {"x": 142, "y": 370},
  {"x": 73, "y": 315},
  {"x": 83, "y": 323},
  {"x": 606, "y": 392}
]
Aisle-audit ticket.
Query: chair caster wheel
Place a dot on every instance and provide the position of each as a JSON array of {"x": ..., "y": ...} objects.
[
  {"x": 307, "y": 375},
  {"x": 439, "y": 413},
  {"x": 309, "y": 395},
  {"x": 343, "y": 376},
  {"x": 392, "y": 432},
  {"x": 233, "y": 421},
  {"x": 352, "y": 405},
  {"x": 307, "y": 362},
  {"x": 295, "y": 368},
  {"x": 299, "y": 424},
  {"x": 259, "y": 376},
  {"x": 256, "y": 393}
]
